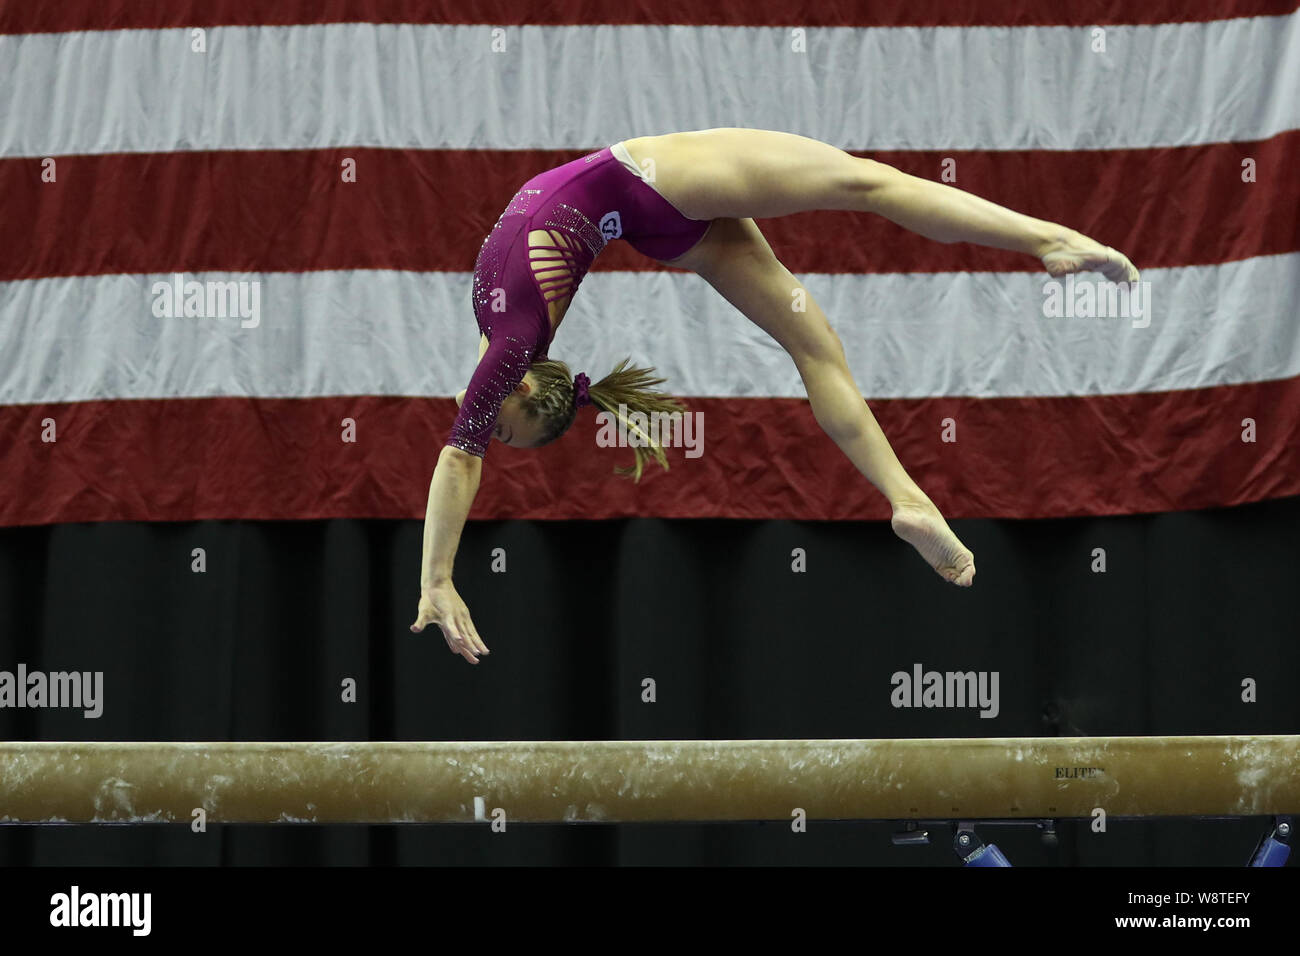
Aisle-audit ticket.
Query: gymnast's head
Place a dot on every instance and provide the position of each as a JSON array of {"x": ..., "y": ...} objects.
[{"x": 545, "y": 404}]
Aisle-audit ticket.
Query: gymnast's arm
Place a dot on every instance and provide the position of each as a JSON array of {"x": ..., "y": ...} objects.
[
  {"x": 451, "y": 493},
  {"x": 452, "y": 489}
]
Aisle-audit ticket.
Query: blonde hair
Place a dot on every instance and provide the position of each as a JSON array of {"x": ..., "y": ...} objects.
[{"x": 621, "y": 392}]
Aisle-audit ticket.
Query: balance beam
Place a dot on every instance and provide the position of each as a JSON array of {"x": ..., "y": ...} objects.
[{"x": 649, "y": 780}]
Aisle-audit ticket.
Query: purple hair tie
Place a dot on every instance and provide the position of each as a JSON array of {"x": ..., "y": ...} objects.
[{"x": 580, "y": 396}]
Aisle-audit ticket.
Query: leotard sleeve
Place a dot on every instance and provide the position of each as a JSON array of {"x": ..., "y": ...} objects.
[{"x": 501, "y": 368}]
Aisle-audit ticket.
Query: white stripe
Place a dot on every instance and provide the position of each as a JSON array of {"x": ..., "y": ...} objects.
[
  {"x": 435, "y": 86},
  {"x": 411, "y": 333}
]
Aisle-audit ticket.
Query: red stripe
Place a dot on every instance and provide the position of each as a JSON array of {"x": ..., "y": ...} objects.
[
  {"x": 34, "y": 17},
  {"x": 289, "y": 210},
  {"x": 183, "y": 460},
  {"x": 124, "y": 14}
]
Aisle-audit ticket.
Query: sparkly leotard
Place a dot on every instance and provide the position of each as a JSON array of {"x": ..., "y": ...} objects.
[{"x": 581, "y": 205}]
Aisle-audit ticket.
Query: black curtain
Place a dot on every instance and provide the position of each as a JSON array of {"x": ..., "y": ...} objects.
[{"x": 738, "y": 644}]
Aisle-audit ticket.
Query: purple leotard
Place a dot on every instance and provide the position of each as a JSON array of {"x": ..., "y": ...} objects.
[{"x": 584, "y": 203}]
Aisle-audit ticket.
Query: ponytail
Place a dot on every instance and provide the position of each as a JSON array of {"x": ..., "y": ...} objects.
[
  {"x": 628, "y": 390},
  {"x": 622, "y": 393}
]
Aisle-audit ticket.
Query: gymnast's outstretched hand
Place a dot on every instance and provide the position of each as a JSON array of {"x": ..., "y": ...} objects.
[{"x": 441, "y": 605}]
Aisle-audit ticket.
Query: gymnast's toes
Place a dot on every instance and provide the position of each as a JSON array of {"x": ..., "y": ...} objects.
[
  {"x": 1111, "y": 263},
  {"x": 923, "y": 527},
  {"x": 1118, "y": 268},
  {"x": 963, "y": 577}
]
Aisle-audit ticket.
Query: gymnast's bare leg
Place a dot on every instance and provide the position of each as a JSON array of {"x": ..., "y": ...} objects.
[{"x": 733, "y": 175}]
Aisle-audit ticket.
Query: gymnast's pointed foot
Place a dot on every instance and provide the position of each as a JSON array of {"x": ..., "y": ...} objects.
[
  {"x": 922, "y": 526},
  {"x": 1075, "y": 252}
]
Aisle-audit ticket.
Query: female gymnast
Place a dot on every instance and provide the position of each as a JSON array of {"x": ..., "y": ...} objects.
[{"x": 689, "y": 200}]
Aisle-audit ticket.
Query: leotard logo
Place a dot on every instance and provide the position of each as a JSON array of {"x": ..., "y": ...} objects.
[{"x": 611, "y": 225}]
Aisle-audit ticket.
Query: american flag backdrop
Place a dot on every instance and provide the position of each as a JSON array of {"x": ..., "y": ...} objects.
[{"x": 339, "y": 163}]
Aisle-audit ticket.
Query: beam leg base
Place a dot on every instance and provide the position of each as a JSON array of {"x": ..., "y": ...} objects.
[
  {"x": 1274, "y": 848},
  {"x": 973, "y": 851}
]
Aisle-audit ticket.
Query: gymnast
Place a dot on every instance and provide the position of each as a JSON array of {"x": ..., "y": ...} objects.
[{"x": 689, "y": 200}]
